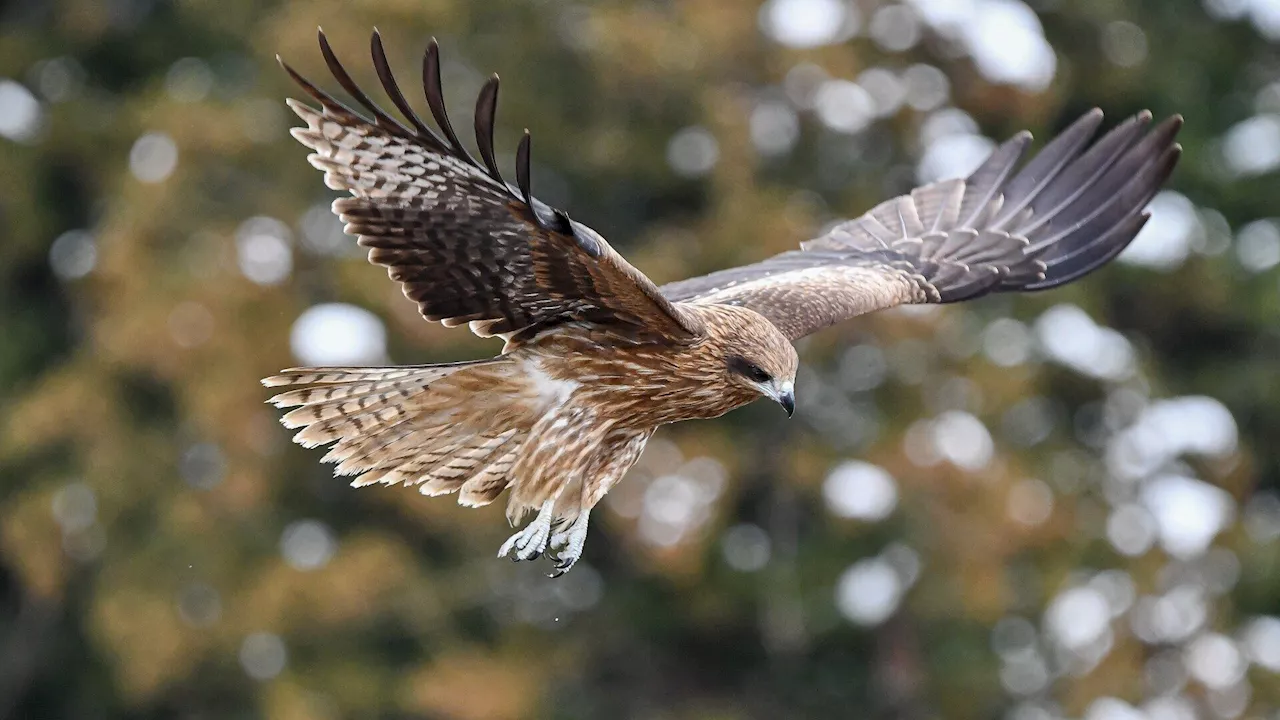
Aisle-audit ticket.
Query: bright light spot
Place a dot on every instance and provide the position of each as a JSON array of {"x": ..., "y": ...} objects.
[
  {"x": 947, "y": 122},
  {"x": 1188, "y": 513},
  {"x": 869, "y": 592},
  {"x": 1170, "y": 707},
  {"x": 263, "y": 252},
  {"x": 953, "y": 156},
  {"x": 1124, "y": 43},
  {"x": 919, "y": 446},
  {"x": 73, "y": 255},
  {"x": 75, "y": 507},
  {"x": 844, "y": 106},
  {"x": 746, "y": 547},
  {"x": 1262, "y": 517},
  {"x": 775, "y": 127},
  {"x": 1078, "y": 618},
  {"x": 905, "y": 561},
  {"x": 322, "y": 231},
  {"x": 189, "y": 80},
  {"x": 676, "y": 505},
  {"x": 1262, "y": 640},
  {"x": 927, "y": 87},
  {"x": 1025, "y": 675},
  {"x": 1167, "y": 429},
  {"x": 20, "y": 112},
  {"x": 1265, "y": 15},
  {"x": 1030, "y": 502},
  {"x": 1227, "y": 9},
  {"x": 808, "y": 23},
  {"x": 1258, "y": 245},
  {"x": 962, "y": 439},
  {"x": 802, "y": 84},
  {"x": 1029, "y": 710},
  {"x": 1008, "y": 45},
  {"x": 263, "y": 655},
  {"x": 1215, "y": 660},
  {"x": 1007, "y": 342},
  {"x": 1109, "y": 708},
  {"x": 307, "y": 544},
  {"x": 1166, "y": 240},
  {"x": 1131, "y": 530},
  {"x": 1117, "y": 587},
  {"x": 1252, "y": 147},
  {"x": 153, "y": 157},
  {"x": 338, "y": 334},
  {"x": 895, "y": 28},
  {"x": 1070, "y": 337},
  {"x": 1004, "y": 38},
  {"x": 1172, "y": 617},
  {"x": 693, "y": 152},
  {"x": 886, "y": 90},
  {"x": 946, "y": 15},
  {"x": 856, "y": 489},
  {"x": 58, "y": 79}
]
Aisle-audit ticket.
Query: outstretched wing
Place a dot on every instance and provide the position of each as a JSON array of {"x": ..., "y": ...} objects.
[
  {"x": 1069, "y": 211},
  {"x": 463, "y": 243}
]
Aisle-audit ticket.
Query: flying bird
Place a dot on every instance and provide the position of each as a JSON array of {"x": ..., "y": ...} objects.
[{"x": 597, "y": 356}]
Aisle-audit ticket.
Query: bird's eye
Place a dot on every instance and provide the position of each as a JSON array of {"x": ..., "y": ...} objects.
[{"x": 748, "y": 369}]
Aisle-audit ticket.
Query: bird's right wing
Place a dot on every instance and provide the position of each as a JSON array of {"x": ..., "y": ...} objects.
[
  {"x": 1067, "y": 212},
  {"x": 463, "y": 244}
]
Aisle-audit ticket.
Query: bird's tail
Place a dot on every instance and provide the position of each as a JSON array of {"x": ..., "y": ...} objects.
[{"x": 445, "y": 428}]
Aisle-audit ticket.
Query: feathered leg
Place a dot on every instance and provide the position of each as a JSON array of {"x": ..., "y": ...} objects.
[{"x": 621, "y": 451}]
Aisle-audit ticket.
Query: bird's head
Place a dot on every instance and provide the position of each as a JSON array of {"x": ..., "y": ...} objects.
[{"x": 759, "y": 358}]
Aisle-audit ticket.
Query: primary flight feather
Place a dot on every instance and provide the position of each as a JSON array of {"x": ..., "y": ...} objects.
[{"x": 597, "y": 356}]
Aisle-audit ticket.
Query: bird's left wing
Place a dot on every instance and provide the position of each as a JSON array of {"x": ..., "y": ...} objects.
[
  {"x": 1067, "y": 212},
  {"x": 463, "y": 243}
]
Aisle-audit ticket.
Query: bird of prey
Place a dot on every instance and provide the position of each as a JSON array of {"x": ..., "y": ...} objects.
[{"x": 597, "y": 356}]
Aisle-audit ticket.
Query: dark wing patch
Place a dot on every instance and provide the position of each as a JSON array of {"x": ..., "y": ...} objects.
[
  {"x": 463, "y": 243},
  {"x": 1069, "y": 211}
]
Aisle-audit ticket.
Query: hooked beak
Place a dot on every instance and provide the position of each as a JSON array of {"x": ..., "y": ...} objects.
[{"x": 785, "y": 395}]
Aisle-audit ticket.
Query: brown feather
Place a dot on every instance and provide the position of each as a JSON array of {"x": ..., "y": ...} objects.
[
  {"x": 465, "y": 246},
  {"x": 1070, "y": 210}
]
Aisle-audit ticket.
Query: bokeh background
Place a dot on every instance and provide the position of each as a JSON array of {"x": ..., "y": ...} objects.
[{"x": 1062, "y": 505}]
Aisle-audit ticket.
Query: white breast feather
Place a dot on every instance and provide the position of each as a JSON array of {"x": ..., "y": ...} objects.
[{"x": 551, "y": 393}]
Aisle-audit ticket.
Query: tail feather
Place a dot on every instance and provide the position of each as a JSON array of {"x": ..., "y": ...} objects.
[
  {"x": 345, "y": 375},
  {"x": 488, "y": 483},
  {"x": 353, "y": 454},
  {"x": 327, "y": 431},
  {"x": 461, "y": 466},
  {"x": 397, "y": 449},
  {"x": 352, "y": 405},
  {"x": 442, "y": 427}
]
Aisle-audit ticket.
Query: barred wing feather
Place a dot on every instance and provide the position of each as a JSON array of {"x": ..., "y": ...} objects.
[
  {"x": 463, "y": 243},
  {"x": 1071, "y": 209}
]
